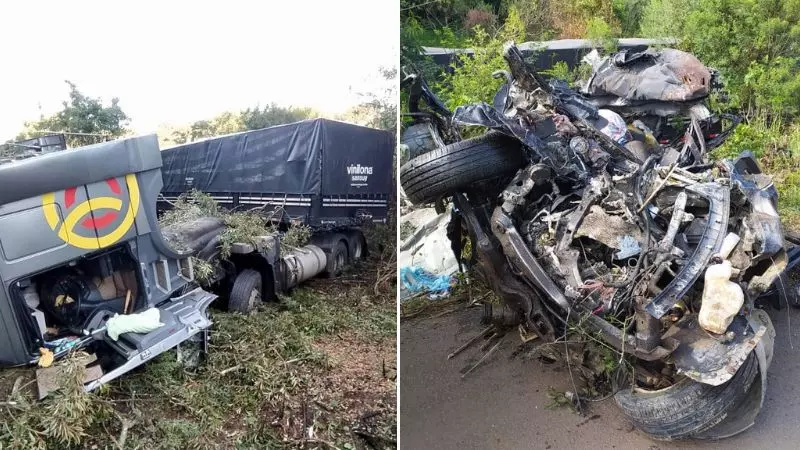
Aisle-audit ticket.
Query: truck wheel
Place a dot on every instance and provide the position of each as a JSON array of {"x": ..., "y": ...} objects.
[
  {"x": 686, "y": 408},
  {"x": 337, "y": 259},
  {"x": 359, "y": 251},
  {"x": 246, "y": 292},
  {"x": 452, "y": 167}
]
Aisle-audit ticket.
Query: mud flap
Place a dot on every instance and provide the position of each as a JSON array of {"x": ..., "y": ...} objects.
[
  {"x": 743, "y": 415},
  {"x": 183, "y": 317}
]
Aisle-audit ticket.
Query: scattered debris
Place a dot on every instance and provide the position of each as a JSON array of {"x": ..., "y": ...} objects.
[
  {"x": 417, "y": 280},
  {"x": 586, "y": 220}
]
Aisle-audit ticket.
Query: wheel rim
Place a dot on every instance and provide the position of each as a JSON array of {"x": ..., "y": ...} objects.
[{"x": 357, "y": 251}]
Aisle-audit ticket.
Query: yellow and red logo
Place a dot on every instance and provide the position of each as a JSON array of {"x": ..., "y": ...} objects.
[{"x": 95, "y": 215}]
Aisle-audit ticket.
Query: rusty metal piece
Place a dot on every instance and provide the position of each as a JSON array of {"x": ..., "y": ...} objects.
[
  {"x": 483, "y": 358},
  {"x": 648, "y": 330},
  {"x": 470, "y": 342}
]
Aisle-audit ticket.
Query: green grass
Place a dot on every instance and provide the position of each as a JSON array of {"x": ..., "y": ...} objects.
[{"x": 263, "y": 382}]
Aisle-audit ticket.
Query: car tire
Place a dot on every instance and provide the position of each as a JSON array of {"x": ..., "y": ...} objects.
[
  {"x": 246, "y": 293},
  {"x": 337, "y": 260},
  {"x": 455, "y": 166},
  {"x": 687, "y": 408}
]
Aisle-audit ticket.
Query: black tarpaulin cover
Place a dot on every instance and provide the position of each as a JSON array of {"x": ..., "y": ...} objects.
[{"x": 318, "y": 156}]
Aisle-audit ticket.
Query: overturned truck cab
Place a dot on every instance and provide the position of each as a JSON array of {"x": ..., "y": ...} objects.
[{"x": 83, "y": 264}]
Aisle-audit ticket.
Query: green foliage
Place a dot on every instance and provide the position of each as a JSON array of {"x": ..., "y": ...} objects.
[
  {"x": 203, "y": 271},
  {"x": 62, "y": 420},
  {"x": 296, "y": 236},
  {"x": 378, "y": 109},
  {"x": 84, "y": 115},
  {"x": 190, "y": 206},
  {"x": 600, "y": 34},
  {"x": 629, "y": 13},
  {"x": 754, "y": 137},
  {"x": 755, "y": 46},
  {"x": 235, "y": 121},
  {"x": 261, "y": 365},
  {"x": 178, "y": 434},
  {"x": 270, "y": 115},
  {"x": 445, "y": 13},
  {"x": 570, "y": 18},
  {"x": 560, "y": 71},
  {"x": 663, "y": 18},
  {"x": 778, "y": 148},
  {"x": 241, "y": 226},
  {"x": 534, "y": 15},
  {"x": 471, "y": 80}
]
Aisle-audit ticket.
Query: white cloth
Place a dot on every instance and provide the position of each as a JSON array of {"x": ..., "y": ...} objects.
[{"x": 143, "y": 322}]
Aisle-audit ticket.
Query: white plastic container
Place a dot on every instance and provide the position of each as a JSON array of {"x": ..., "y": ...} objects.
[{"x": 722, "y": 298}]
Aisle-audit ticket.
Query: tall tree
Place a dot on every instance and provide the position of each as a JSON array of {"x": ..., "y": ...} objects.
[
  {"x": 272, "y": 114},
  {"x": 235, "y": 121},
  {"x": 87, "y": 117}
]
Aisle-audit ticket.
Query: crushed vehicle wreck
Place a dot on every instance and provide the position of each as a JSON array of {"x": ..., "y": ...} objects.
[
  {"x": 85, "y": 265},
  {"x": 642, "y": 240}
]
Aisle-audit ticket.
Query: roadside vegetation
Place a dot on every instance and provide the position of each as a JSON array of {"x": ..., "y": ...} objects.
[
  {"x": 315, "y": 370},
  {"x": 754, "y": 44}
]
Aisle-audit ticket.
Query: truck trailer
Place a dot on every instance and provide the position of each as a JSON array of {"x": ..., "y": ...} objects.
[{"x": 331, "y": 176}]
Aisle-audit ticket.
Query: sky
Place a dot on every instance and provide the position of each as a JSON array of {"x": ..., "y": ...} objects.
[{"x": 180, "y": 61}]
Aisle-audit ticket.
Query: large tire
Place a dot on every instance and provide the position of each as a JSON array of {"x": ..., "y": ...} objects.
[
  {"x": 686, "y": 408},
  {"x": 450, "y": 168},
  {"x": 246, "y": 293},
  {"x": 337, "y": 260},
  {"x": 359, "y": 250}
]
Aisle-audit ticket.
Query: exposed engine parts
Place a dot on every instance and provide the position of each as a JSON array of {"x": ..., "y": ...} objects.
[{"x": 655, "y": 248}]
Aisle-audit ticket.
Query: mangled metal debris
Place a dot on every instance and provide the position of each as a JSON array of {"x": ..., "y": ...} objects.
[{"x": 589, "y": 209}]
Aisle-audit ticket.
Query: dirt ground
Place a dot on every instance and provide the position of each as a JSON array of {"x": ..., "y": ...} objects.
[{"x": 504, "y": 405}]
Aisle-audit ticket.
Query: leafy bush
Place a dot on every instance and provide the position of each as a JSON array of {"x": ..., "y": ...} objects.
[
  {"x": 663, "y": 18},
  {"x": 601, "y": 35},
  {"x": 753, "y": 137},
  {"x": 471, "y": 80},
  {"x": 755, "y": 46}
]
